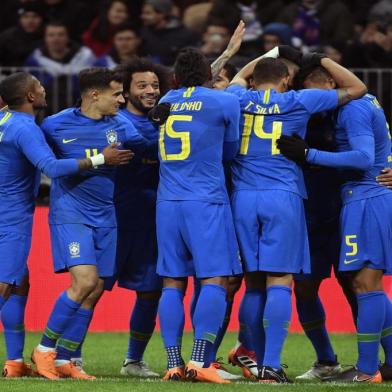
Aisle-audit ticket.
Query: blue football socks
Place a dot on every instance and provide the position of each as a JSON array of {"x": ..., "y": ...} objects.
[
  {"x": 222, "y": 331},
  {"x": 386, "y": 334},
  {"x": 172, "y": 320},
  {"x": 208, "y": 319},
  {"x": 142, "y": 326},
  {"x": 195, "y": 297},
  {"x": 12, "y": 317},
  {"x": 312, "y": 317},
  {"x": 74, "y": 335},
  {"x": 245, "y": 334},
  {"x": 371, "y": 317},
  {"x": 63, "y": 311},
  {"x": 277, "y": 314}
]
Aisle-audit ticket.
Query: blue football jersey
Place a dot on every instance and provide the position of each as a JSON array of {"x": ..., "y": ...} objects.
[
  {"x": 266, "y": 115},
  {"x": 87, "y": 197},
  {"x": 366, "y": 117},
  {"x": 139, "y": 180},
  {"x": 23, "y": 149},
  {"x": 191, "y": 144}
]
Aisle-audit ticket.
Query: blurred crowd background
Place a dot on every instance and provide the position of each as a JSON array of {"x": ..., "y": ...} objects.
[
  {"x": 58, "y": 38},
  {"x": 55, "y": 39}
]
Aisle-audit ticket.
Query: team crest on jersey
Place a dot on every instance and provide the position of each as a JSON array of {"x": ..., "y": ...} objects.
[
  {"x": 74, "y": 249},
  {"x": 1, "y": 136},
  {"x": 111, "y": 136}
]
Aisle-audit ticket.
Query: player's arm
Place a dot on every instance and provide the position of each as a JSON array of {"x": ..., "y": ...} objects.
[
  {"x": 356, "y": 122},
  {"x": 230, "y": 51},
  {"x": 34, "y": 146},
  {"x": 231, "y": 112},
  {"x": 246, "y": 72},
  {"x": 139, "y": 144}
]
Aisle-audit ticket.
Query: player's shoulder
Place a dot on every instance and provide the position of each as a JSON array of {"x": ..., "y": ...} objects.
[
  {"x": 63, "y": 115},
  {"x": 366, "y": 104}
]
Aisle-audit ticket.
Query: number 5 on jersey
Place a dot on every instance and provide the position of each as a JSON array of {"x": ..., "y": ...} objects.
[
  {"x": 167, "y": 131},
  {"x": 256, "y": 124}
]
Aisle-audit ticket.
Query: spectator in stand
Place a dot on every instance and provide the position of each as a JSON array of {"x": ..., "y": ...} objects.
[
  {"x": 19, "y": 41},
  {"x": 9, "y": 12},
  {"x": 381, "y": 11},
  {"x": 126, "y": 45},
  {"x": 276, "y": 34},
  {"x": 163, "y": 35},
  {"x": 317, "y": 22},
  {"x": 61, "y": 60},
  {"x": 215, "y": 39},
  {"x": 372, "y": 49},
  {"x": 99, "y": 36},
  {"x": 76, "y": 15}
]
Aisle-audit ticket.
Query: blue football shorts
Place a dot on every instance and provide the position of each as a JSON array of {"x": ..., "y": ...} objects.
[
  {"x": 196, "y": 238},
  {"x": 14, "y": 252},
  {"x": 271, "y": 231},
  {"x": 79, "y": 244},
  {"x": 366, "y": 234},
  {"x": 136, "y": 260}
]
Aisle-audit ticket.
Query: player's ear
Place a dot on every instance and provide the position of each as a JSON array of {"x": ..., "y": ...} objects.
[
  {"x": 332, "y": 82},
  {"x": 94, "y": 94},
  {"x": 30, "y": 96}
]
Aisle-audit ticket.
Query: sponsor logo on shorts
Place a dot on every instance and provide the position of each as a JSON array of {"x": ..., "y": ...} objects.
[
  {"x": 111, "y": 136},
  {"x": 74, "y": 249},
  {"x": 350, "y": 261}
]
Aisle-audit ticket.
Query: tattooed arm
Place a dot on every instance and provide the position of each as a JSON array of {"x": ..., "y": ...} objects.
[
  {"x": 230, "y": 51},
  {"x": 349, "y": 86}
]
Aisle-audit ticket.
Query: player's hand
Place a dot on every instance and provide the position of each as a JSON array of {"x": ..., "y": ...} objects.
[
  {"x": 159, "y": 113},
  {"x": 114, "y": 156},
  {"x": 236, "y": 39},
  {"x": 385, "y": 178},
  {"x": 312, "y": 60},
  {"x": 291, "y": 54},
  {"x": 293, "y": 147}
]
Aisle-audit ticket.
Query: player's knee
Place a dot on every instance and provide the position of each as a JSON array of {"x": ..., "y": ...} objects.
[
  {"x": 149, "y": 295},
  {"x": 306, "y": 290},
  {"x": 233, "y": 286},
  {"x": 85, "y": 286},
  {"x": 362, "y": 283}
]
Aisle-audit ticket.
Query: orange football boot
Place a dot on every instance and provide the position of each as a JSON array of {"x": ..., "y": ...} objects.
[
  {"x": 246, "y": 360},
  {"x": 210, "y": 374},
  {"x": 174, "y": 374},
  {"x": 69, "y": 370},
  {"x": 45, "y": 363},
  {"x": 18, "y": 369}
]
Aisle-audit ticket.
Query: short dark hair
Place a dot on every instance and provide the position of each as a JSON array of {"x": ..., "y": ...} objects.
[
  {"x": 269, "y": 70},
  {"x": 231, "y": 70},
  {"x": 97, "y": 78},
  {"x": 191, "y": 68},
  {"x": 13, "y": 88},
  {"x": 139, "y": 64},
  {"x": 127, "y": 27},
  {"x": 313, "y": 73},
  {"x": 57, "y": 23}
]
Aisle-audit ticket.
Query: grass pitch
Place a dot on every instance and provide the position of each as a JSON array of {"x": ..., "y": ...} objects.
[{"x": 104, "y": 353}]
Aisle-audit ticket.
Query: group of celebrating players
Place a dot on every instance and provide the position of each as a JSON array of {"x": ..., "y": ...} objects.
[{"x": 238, "y": 192}]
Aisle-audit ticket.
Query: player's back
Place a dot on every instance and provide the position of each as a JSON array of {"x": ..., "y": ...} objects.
[
  {"x": 364, "y": 116},
  {"x": 266, "y": 115},
  {"x": 191, "y": 144},
  {"x": 19, "y": 179}
]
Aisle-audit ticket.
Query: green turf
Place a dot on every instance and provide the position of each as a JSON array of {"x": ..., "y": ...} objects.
[{"x": 104, "y": 352}]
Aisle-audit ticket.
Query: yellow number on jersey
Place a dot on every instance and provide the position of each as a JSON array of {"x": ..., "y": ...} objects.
[
  {"x": 351, "y": 241},
  {"x": 256, "y": 123},
  {"x": 90, "y": 152},
  {"x": 167, "y": 130}
]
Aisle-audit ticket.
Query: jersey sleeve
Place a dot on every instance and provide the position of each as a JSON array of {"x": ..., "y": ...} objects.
[
  {"x": 231, "y": 112},
  {"x": 32, "y": 143},
  {"x": 236, "y": 89},
  {"x": 356, "y": 119},
  {"x": 317, "y": 100},
  {"x": 134, "y": 140}
]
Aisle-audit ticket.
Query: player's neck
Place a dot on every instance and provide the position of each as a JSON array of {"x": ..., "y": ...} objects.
[
  {"x": 88, "y": 110},
  {"x": 24, "y": 108},
  {"x": 269, "y": 86},
  {"x": 132, "y": 109}
]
